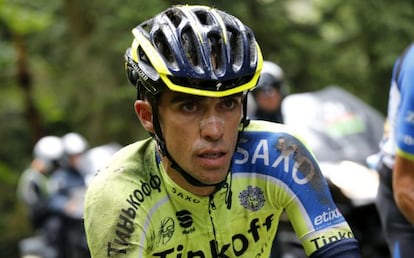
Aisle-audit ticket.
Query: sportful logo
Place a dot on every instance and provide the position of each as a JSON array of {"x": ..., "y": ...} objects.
[
  {"x": 185, "y": 218},
  {"x": 252, "y": 198},
  {"x": 186, "y": 221}
]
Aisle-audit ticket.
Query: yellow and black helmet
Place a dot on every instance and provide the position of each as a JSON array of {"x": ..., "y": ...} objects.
[{"x": 196, "y": 50}]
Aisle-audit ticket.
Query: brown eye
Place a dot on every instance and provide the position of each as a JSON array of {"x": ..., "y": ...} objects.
[
  {"x": 189, "y": 107},
  {"x": 230, "y": 103}
]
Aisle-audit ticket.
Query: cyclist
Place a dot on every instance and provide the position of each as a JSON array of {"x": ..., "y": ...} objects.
[
  {"x": 395, "y": 199},
  {"x": 269, "y": 93},
  {"x": 208, "y": 183}
]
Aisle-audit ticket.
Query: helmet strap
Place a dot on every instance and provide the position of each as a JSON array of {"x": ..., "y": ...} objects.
[{"x": 245, "y": 120}]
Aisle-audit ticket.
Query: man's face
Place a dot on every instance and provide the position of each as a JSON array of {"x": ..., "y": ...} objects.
[
  {"x": 201, "y": 132},
  {"x": 268, "y": 99}
]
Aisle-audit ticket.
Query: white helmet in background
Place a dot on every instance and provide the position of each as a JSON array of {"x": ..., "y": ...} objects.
[
  {"x": 271, "y": 76},
  {"x": 74, "y": 143},
  {"x": 48, "y": 149},
  {"x": 273, "y": 69}
]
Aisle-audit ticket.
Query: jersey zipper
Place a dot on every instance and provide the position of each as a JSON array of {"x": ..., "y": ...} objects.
[{"x": 212, "y": 207}]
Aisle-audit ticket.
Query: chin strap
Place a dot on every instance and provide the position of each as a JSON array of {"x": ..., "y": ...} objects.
[{"x": 187, "y": 175}]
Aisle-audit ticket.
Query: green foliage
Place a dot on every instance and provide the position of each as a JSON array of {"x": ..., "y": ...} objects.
[
  {"x": 14, "y": 223},
  {"x": 23, "y": 17}
]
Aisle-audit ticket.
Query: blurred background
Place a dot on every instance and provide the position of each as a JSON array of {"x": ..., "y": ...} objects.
[{"x": 61, "y": 68}]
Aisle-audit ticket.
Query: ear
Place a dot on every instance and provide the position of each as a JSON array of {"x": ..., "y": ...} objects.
[{"x": 144, "y": 113}]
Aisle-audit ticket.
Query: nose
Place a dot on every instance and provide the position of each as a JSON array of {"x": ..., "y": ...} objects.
[{"x": 212, "y": 127}]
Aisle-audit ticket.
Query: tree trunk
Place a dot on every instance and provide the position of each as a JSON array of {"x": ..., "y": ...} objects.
[{"x": 25, "y": 82}]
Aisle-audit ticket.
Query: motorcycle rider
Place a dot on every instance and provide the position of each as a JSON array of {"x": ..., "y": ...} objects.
[
  {"x": 209, "y": 183},
  {"x": 33, "y": 184},
  {"x": 269, "y": 93},
  {"x": 68, "y": 186}
]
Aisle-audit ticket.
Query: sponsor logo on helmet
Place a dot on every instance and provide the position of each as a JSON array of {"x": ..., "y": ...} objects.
[{"x": 141, "y": 73}]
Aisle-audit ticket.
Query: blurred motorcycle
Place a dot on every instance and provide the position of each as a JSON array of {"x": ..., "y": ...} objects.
[{"x": 342, "y": 131}]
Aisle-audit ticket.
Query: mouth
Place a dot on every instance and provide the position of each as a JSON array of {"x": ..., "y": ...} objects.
[
  {"x": 213, "y": 159},
  {"x": 212, "y": 155}
]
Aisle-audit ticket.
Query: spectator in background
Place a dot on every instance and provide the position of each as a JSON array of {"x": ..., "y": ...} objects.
[
  {"x": 269, "y": 93},
  {"x": 68, "y": 177},
  {"x": 68, "y": 186},
  {"x": 32, "y": 188},
  {"x": 395, "y": 200}
]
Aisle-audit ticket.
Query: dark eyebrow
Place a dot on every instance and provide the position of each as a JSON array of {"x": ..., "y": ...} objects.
[
  {"x": 181, "y": 97},
  {"x": 186, "y": 97}
]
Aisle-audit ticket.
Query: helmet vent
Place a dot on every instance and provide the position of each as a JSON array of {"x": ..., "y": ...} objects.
[
  {"x": 189, "y": 47},
  {"x": 252, "y": 50},
  {"x": 204, "y": 18},
  {"x": 146, "y": 27},
  {"x": 216, "y": 47},
  {"x": 174, "y": 17},
  {"x": 162, "y": 45},
  {"x": 236, "y": 47}
]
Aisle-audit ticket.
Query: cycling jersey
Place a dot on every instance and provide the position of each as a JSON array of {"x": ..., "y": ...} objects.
[
  {"x": 399, "y": 130},
  {"x": 398, "y": 139},
  {"x": 133, "y": 208}
]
